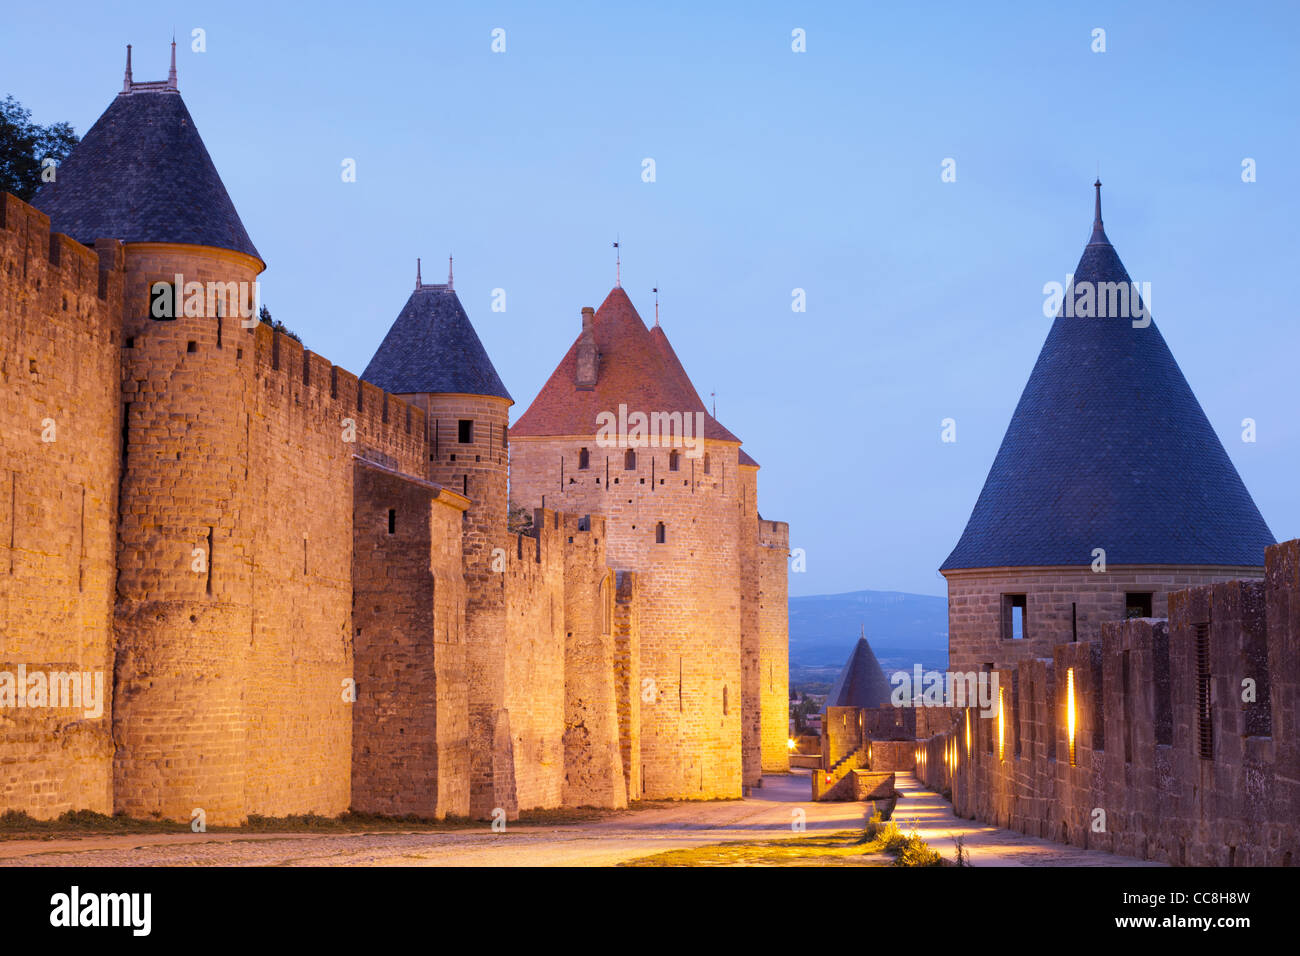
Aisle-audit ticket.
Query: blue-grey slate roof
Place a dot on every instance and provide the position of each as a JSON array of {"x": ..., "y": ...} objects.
[
  {"x": 142, "y": 174},
  {"x": 1108, "y": 448},
  {"x": 432, "y": 347},
  {"x": 861, "y": 683}
]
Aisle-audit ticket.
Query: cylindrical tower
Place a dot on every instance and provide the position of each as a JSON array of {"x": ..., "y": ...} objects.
[
  {"x": 432, "y": 357},
  {"x": 183, "y": 604}
]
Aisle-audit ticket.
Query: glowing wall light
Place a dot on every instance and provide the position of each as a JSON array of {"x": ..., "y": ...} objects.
[
  {"x": 1069, "y": 709},
  {"x": 967, "y": 731},
  {"x": 1001, "y": 727}
]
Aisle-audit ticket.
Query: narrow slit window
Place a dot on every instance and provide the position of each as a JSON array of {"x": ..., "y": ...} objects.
[
  {"x": 584, "y": 459},
  {"x": 465, "y": 431},
  {"x": 1204, "y": 698},
  {"x": 392, "y": 521},
  {"x": 660, "y": 533},
  {"x": 674, "y": 461},
  {"x": 629, "y": 460}
]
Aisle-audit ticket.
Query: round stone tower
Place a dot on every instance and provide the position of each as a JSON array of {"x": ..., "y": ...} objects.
[
  {"x": 184, "y": 601},
  {"x": 1110, "y": 490},
  {"x": 433, "y": 358}
]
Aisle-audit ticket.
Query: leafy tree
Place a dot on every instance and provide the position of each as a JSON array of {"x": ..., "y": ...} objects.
[
  {"x": 24, "y": 145},
  {"x": 265, "y": 316},
  {"x": 519, "y": 520}
]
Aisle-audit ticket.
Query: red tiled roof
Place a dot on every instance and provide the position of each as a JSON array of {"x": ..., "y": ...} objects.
[{"x": 635, "y": 370}]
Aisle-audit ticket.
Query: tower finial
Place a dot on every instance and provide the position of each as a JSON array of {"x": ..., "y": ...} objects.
[
  {"x": 451, "y": 286},
  {"x": 126, "y": 81},
  {"x": 418, "y": 282},
  {"x": 618, "y": 265},
  {"x": 655, "y": 290},
  {"x": 171, "y": 74},
  {"x": 1098, "y": 233}
]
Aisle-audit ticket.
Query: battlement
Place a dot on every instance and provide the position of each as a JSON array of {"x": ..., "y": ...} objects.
[
  {"x": 382, "y": 424},
  {"x": 60, "y": 419},
  {"x": 1168, "y": 739},
  {"x": 774, "y": 534},
  {"x": 54, "y": 264}
]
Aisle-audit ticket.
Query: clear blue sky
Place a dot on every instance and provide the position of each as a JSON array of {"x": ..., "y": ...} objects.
[{"x": 775, "y": 170}]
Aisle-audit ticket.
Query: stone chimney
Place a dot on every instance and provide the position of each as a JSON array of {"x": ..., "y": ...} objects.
[{"x": 588, "y": 357}]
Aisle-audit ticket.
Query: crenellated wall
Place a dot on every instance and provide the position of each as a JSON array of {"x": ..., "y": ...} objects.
[
  {"x": 1183, "y": 747},
  {"x": 60, "y": 336},
  {"x": 238, "y": 536},
  {"x": 1062, "y": 604}
]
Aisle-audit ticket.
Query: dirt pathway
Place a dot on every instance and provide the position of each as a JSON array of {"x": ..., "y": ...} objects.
[{"x": 771, "y": 813}]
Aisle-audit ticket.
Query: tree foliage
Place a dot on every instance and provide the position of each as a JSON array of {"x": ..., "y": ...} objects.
[
  {"x": 25, "y": 145},
  {"x": 265, "y": 316}
]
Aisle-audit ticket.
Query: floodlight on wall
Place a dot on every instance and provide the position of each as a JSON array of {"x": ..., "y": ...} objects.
[
  {"x": 967, "y": 731},
  {"x": 1001, "y": 726},
  {"x": 1069, "y": 709}
]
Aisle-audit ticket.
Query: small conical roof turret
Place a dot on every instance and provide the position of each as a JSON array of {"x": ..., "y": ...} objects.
[
  {"x": 143, "y": 174},
  {"x": 861, "y": 683},
  {"x": 432, "y": 348}
]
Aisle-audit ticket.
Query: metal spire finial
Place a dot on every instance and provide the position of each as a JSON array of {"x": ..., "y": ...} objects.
[
  {"x": 171, "y": 74},
  {"x": 126, "y": 81},
  {"x": 1098, "y": 233},
  {"x": 451, "y": 286},
  {"x": 618, "y": 265},
  {"x": 655, "y": 290},
  {"x": 418, "y": 281}
]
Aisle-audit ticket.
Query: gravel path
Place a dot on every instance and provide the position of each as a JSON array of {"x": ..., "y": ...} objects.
[{"x": 768, "y": 814}]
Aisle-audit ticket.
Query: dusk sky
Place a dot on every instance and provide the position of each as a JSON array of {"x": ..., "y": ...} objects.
[{"x": 774, "y": 171}]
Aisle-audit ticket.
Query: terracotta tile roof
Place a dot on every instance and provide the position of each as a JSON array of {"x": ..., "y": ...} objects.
[
  {"x": 634, "y": 370},
  {"x": 1109, "y": 448}
]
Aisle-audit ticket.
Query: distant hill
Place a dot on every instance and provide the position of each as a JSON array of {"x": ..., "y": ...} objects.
[{"x": 904, "y": 629}]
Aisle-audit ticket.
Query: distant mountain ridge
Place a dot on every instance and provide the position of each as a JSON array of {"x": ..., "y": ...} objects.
[{"x": 903, "y": 629}]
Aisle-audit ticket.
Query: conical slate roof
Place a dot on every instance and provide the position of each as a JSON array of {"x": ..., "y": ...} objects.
[
  {"x": 633, "y": 370},
  {"x": 1108, "y": 448},
  {"x": 142, "y": 174},
  {"x": 861, "y": 683},
  {"x": 432, "y": 347}
]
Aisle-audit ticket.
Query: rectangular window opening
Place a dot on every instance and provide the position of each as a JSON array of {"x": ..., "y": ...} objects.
[
  {"x": 1014, "y": 610},
  {"x": 1137, "y": 604}
]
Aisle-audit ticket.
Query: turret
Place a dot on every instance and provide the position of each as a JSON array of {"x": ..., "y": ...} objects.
[
  {"x": 433, "y": 358},
  {"x": 1110, "y": 489},
  {"x": 142, "y": 176}
]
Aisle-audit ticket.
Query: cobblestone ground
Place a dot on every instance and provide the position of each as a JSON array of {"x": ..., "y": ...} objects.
[{"x": 625, "y": 836}]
